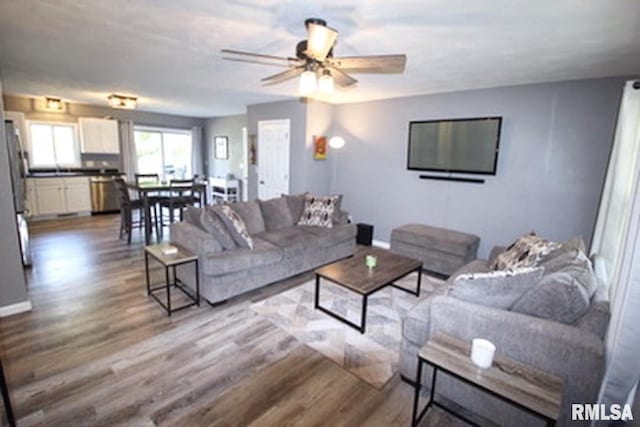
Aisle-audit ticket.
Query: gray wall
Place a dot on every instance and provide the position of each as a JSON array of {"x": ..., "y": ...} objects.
[
  {"x": 12, "y": 286},
  {"x": 554, "y": 148},
  {"x": 231, "y": 127}
]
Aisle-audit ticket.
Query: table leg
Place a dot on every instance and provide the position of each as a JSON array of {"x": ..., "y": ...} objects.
[
  {"x": 416, "y": 394},
  {"x": 364, "y": 314},
  {"x": 197, "y": 283},
  {"x": 147, "y": 218},
  {"x": 317, "y": 298},
  {"x": 146, "y": 271},
  {"x": 167, "y": 283},
  {"x": 419, "y": 281}
]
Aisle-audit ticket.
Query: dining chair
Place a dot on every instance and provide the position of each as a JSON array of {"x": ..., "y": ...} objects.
[
  {"x": 182, "y": 193},
  {"x": 154, "y": 198},
  {"x": 127, "y": 208}
]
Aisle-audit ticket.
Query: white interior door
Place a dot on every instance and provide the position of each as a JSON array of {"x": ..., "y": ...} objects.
[{"x": 273, "y": 158}]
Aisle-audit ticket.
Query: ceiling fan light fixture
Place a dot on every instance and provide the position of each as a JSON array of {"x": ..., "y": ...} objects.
[
  {"x": 53, "y": 104},
  {"x": 308, "y": 83},
  {"x": 320, "y": 41},
  {"x": 124, "y": 102},
  {"x": 325, "y": 83}
]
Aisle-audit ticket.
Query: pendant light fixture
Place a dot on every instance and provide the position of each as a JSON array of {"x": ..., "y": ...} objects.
[{"x": 325, "y": 83}]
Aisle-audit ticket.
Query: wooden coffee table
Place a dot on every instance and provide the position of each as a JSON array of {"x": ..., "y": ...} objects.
[{"x": 353, "y": 274}]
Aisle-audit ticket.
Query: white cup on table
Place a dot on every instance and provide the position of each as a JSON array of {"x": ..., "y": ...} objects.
[{"x": 482, "y": 352}]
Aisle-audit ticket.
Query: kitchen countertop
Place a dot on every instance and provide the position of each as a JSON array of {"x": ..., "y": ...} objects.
[{"x": 47, "y": 173}]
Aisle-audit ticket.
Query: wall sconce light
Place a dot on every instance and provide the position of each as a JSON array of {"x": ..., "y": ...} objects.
[
  {"x": 53, "y": 104},
  {"x": 124, "y": 102},
  {"x": 336, "y": 142}
]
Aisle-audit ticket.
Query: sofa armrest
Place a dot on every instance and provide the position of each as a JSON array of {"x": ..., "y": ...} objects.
[
  {"x": 568, "y": 352},
  {"x": 194, "y": 239},
  {"x": 343, "y": 218}
]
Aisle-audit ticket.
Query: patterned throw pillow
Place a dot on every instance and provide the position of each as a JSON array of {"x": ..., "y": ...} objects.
[
  {"x": 319, "y": 211},
  {"x": 524, "y": 252},
  {"x": 236, "y": 226}
]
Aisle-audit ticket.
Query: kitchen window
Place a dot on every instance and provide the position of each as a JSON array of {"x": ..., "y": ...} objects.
[
  {"x": 53, "y": 145},
  {"x": 162, "y": 151}
]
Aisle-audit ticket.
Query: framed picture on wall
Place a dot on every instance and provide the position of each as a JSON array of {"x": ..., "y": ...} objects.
[
  {"x": 221, "y": 147},
  {"x": 320, "y": 147}
]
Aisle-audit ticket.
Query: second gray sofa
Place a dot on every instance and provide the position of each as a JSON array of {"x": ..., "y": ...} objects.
[{"x": 281, "y": 247}]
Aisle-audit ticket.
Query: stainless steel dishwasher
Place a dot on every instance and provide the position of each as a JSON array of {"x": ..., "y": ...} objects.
[{"x": 104, "y": 195}]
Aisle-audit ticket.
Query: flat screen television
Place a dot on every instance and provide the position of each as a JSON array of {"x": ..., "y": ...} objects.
[{"x": 455, "y": 145}]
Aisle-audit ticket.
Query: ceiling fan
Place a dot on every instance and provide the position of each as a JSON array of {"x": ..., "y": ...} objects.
[{"x": 315, "y": 64}]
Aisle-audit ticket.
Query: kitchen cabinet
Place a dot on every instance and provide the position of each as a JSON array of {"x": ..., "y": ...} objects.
[
  {"x": 99, "y": 136},
  {"x": 55, "y": 196}
]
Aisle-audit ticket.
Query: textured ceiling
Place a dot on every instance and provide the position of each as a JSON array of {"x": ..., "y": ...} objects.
[{"x": 167, "y": 52}]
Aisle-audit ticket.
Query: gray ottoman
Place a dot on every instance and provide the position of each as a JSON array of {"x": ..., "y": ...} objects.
[{"x": 442, "y": 251}]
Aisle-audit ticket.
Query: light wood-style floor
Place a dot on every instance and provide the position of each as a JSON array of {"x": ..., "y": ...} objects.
[{"x": 97, "y": 351}]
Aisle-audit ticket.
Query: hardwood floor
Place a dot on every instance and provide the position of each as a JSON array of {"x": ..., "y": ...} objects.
[{"x": 97, "y": 351}]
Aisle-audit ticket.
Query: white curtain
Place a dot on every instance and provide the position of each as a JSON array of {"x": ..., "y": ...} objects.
[
  {"x": 128, "y": 149},
  {"x": 196, "y": 150},
  {"x": 617, "y": 241}
]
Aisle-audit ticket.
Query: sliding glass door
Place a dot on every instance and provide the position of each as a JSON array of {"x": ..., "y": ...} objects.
[{"x": 166, "y": 152}]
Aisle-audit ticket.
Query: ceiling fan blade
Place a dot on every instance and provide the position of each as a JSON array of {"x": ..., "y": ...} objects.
[
  {"x": 254, "y": 61},
  {"x": 284, "y": 75},
  {"x": 320, "y": 41},
  {"x": 383, "y": 64},
  {"x": 257, "y": 55},
  {"x": 341, "y": 78}
]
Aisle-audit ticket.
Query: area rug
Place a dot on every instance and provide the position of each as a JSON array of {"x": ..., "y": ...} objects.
[{"x": 372, "y": 356}]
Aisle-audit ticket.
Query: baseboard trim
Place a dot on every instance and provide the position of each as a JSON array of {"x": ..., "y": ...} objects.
[
  {"x": 381, "y": 244},
  {"x": 10, "y": 310}
]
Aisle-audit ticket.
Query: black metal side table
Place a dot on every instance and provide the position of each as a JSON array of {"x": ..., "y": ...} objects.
[{"x": 171, "y": 261}]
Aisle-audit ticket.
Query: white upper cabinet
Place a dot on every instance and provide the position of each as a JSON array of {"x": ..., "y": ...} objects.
[{"x": 99, "y": 136}]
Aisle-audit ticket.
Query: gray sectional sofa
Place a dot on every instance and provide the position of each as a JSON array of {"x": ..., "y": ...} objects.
[
  {"x": 573, "y": 351},
  {"x": 281, "y": 247}
]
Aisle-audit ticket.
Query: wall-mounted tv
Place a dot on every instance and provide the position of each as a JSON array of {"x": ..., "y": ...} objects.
[{"x": 455, "y": 145}]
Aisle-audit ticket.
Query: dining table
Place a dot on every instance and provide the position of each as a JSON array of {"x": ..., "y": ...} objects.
[{"x": 145, "y": 189}]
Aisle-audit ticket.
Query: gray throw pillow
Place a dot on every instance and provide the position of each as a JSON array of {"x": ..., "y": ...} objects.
[
  {"x": 236, "y": 226},
  {"x": 276, "y": 214},
  {"x": 318, "y": 211},
  {"x": 499, "y": 289},
  {"x": 251, "y": 215},
  {"x": 296, "y": 205},
  {"x": 558, "y": 296},
  {"x": 211, "y": 222},
  {"x": 192, "y": 215}
]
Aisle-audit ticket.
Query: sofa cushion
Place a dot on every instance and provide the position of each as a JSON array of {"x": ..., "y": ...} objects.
[
  {"x": 526, "y": 251},
  {"x": 276, "y": 214},
  {"x": 319, "y": 211},
  {"x": 211, "y": 222},
  {"x": 558, "y": 296},
  {"x": 236, "y": 227},
  {"x": 263, "y": 253},
  {"x": 332, "y": 236},
  {"x": 296, "y": 205},
  {"x": 293, "y": 240},
  {"x": 251, "y": 215},
  {"x": 498, "y": 289}
]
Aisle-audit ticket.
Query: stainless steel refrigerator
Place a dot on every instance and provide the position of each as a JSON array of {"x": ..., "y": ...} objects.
[{"x": 18, "y": 169}]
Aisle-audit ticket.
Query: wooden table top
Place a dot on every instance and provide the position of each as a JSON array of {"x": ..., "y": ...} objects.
[
  {"x": 148, "y": 187},
  {"x": 528, "y": 386},
  {"x": 182, "y": 256},
  {"x": 353, "y": 273}
]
